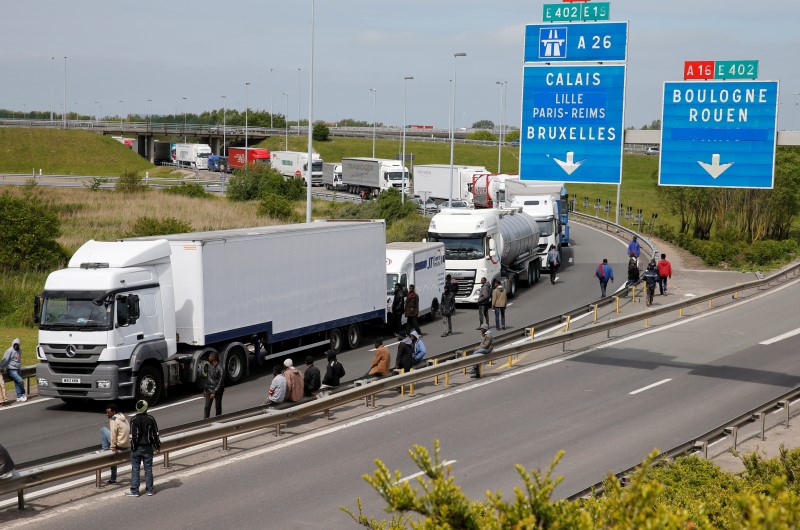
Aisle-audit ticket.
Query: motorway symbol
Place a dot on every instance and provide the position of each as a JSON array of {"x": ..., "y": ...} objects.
[
  {"x": 569, "y": 166},
  {"x": 552, "y": 43},
  {"x": 715, "y": 169},
  {"x": 585, "y": 42}
]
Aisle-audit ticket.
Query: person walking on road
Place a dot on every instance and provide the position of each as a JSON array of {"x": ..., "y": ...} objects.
[
  {"x": 12, "y": 363},
  {"x": 311, "y": 378},
  {"x": 116, "y": 437},
  {"x": 633, "y": 271},
  {"x": 214, "y": 387},
  {"x": 484, "y": 348},
  {"x": 650, "y": 278},
  {"x": 604, "y": 273},
  {"x": 334, "y": 371},
  {"x": 277, "y": 388},
  {"x": 398, "y": 308},
  {"x": 448, "y": 305},
  {"x": 664, "y": 272},
  {"x": 634, "y": 249},
  {"x": 484, "y": 301},
  {"x": 412, "y": 311},
  {"x": 553, "y": 261},
  {"x": 144, "y": 440},
  {"x": 499, "y": 305}
]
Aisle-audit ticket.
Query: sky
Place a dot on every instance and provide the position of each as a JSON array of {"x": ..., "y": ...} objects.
[{"x": 167, "y": 50}]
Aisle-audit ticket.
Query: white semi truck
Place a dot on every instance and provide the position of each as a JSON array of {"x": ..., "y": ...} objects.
[
  {"x": 192, "y": 155},
  {"x": 130, "y": 318},
  {"x": 433, "y": 180},
  {"x": 491, "y": 244},
  {"x": 332, "y": 176},
  {"x": 294, "y": 164},
  {"x": 373, "y": 175},
  {"x": 421, "y": 265},
  {"x": 545, "y": 202}
]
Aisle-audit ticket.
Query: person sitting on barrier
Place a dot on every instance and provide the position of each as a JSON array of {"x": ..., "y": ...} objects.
[
  {"x": 484, "y": 348},
  {"x": 419, "y": 348},
  {"x": 277, "y": 389},
  {"x": 295, "y": 385},
  {"x": 334, "y": 372},
  {"x": 116, "y": 437},
  {"x": 380, "y": 361},
  {"x": 405, "y": 354},
  {"x": 6, "y": 464},
  {"x": 311, "y": 379}
]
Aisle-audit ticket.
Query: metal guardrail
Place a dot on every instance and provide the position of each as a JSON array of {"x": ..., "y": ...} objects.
[{"x": 448, "y": 362}]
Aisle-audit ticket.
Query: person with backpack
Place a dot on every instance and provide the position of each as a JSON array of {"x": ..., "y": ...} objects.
[
  {"x": 144, "y": 440},
  {"x": 633, "y": 271},
  {"x": 553, "y": 261},
  {"x": 334, "y": 372},
  {"x": 664, "y": 272},
  {"x": 604, "y": 273},
  {"x": 650, "y": 278}
]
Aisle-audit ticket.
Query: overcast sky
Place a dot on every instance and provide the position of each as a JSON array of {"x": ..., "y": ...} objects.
[{"x": 166, "y": 50}]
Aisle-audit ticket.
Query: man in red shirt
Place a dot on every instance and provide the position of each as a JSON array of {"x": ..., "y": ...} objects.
[{"x": 664, "y": 272}]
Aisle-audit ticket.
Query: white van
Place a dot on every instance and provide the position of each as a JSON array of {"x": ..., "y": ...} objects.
[{"x": 420, "y": 264}]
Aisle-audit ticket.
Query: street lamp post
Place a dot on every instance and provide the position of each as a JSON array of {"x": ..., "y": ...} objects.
[
  {"x": 269, "y": 86},
  {"x": 286, "y": 123},
  {"x": 224, "y": 111},
  {"x": 298, "y": 101},
  {"x": 121, "y": 108},
  {"x": 453, "y": 123},
  {"x": 403, "y": 163},
  {"x": 64, "y": 120},
  {"x": 150, "y": 114},
  {"x": 77, "y": 115},
  {"x": 374, "y": 117},
  {"x": 794, "y": 112},
  {"x": 310, "y": 163},
  {"x": 52, "y": 85},
  {"x": 184, "y": 120},
  {"x": 246, "y": 112},
  {"x": 502, "y": 112}
]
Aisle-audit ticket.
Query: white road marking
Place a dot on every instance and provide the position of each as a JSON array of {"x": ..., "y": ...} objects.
[
  {"x": 420, "y": 473},
  {"x": 648, "y": 387},
  {"x": 780, "y": 337},
  {"x": 16, "y": 404},
  {"x": 173, "y": 404}
]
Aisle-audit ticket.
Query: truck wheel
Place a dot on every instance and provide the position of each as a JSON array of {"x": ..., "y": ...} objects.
[
  {"x": 234, "y": 366},
  {"x": 149, "y": 384},
  {"x": 512, "y": 286},
  {"x": 434, "y": 310},
  {"x": 202, "y": 370},
  {"x": 353, "y": 336},
  {"x": 531, "y": 275},
  {"x": 336, "y": 340},
  {"x": 538, "y": 273}
]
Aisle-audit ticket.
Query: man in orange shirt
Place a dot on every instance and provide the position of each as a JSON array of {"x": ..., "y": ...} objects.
[{"x": 664, "y": 272}]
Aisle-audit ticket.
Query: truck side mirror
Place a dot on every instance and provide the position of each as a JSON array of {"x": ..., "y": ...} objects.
[{"x": 37, "y": 309}]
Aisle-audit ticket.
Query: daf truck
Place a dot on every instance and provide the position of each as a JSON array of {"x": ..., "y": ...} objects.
[
  {"x": 294, "y": 164},
  {"x": 130, "y": 318},
  {"x": 421, "y": 265},
  {"x": 373, "y": 175},
  {"x": 489, "y": 243},
  {"x": 192, "y": 155}
]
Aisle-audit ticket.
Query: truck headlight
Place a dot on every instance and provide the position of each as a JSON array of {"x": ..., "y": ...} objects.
[
  {"x": 103, "y": 383},
  {"x": 42, "y": 382},
  {"x": 40, "y": 353}
]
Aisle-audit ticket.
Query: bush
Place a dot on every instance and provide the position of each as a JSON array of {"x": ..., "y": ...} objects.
[
  {"x": 28, "y": 232},
  {"x": 769, "y": 251},
  {"x": 482, "y": 135},
  {"x": 321, "y": 133},
  {"x": 512, "y": 136},
  {"x": 412, "y": 228},
  {"x": 188, "y": 189},
  {"x": 153, "y": 226},
  {"x": 130, "y": 182},
  {"x": 275, "y": 206},
  {"x": 259, "y": 180}
]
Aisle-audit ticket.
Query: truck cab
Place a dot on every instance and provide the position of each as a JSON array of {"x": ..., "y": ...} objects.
[
  {"x": 545, "y": 210},
  {"x": 418, "y": 264}
]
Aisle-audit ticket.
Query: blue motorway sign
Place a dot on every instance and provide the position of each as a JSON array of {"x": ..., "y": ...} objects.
[
  {"x": 572, "y": 123},
  {"x": 584, "y": 42},
  {"x": 719, "y": 134}
]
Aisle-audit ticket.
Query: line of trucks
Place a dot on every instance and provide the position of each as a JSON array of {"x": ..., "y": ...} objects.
[{"x": 130, "y": 319}]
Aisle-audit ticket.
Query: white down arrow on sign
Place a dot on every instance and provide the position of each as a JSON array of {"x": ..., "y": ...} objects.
[{"x": 715, "y": 169}]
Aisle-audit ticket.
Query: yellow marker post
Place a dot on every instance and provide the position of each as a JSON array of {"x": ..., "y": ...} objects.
[
  {"x": 510, "y": 361},
  {"x": 633, "y": 293},
  {"x": 646, "y": 322},
  {"x": 595, "y": 313},
  {"x": 411, "y": 389},
  {"x": 436, "y": 377},
  {"x": 711, "y": 303},
  {"x": 566, "y": 327},
  {"x": 616, "y": 302},
  {"x": 532, "y": 332},
  {"x": 465, "y": 368},
  {"x": 447, "y": 379},
  {"x": 402, "y": 387}
]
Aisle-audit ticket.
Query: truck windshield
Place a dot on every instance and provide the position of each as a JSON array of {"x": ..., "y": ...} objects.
[
  {"x": 391, "y": 281},
  {"x": 316, "y": 165},
  {"x": 396, "y": 175},
  {"x": 63, "y": 313},
  {"x": 461, "y": 248},
  {"x": 546, "y": 227},
  {"x": 203, "y": 155}
]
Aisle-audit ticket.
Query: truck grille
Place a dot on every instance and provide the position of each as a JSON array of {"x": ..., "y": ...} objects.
[
  {"x": 72, "y": 368},
  {"x": 80, "y": 353}
]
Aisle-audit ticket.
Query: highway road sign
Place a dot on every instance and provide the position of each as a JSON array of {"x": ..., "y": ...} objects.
[
  {"x": 572, "y": 123},
  {"x": 719, "y": 134},
  {"x": 574, "y": 13},
  {"x": 736, "y": 70},
  {"x": 587, "y": 42}
]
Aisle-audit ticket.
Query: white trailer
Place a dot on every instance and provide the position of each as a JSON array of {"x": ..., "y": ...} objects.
[
  {"x": 294, "y": 164},
  {"x": 129, "y": 318},
  {"x": 192, "y": 155},
  {"x": 373, "y": 175},
  {"x": 332, "y": 176},
  {"x": 433, "y": 180},
  {"x": 421, "y": 265}
]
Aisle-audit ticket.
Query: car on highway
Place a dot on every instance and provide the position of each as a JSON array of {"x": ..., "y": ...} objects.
[
  {"x": 428, "y": 206},
  {"x": 653, "y": 150},
  {"x": 455, "y": 204}
]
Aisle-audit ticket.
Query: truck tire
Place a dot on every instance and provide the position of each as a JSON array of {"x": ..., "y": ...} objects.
[
  {"x": 336, "y": 340},
  {"x": 531, "y": 279},
  {"x": 512, "y": 285},
  {"x": 203, "y": 365},
  {"x": 149, "y": 384},
  {"x": 353, "y": 336},
  {"x": 434, "y": 310},
  {"x": 538, "y": 273},
  {"x": 234, "y": 366}
]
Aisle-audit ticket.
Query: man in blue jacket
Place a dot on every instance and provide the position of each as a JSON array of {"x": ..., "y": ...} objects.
[
  {"x": 634, "y": 249},
  {"x": 604, "y": 273}
]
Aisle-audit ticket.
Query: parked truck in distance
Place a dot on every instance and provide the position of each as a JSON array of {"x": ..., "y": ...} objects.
[
  {"x": 433, "y": 180},
  {"x": 192, "y": 155},
  {"x": 128, "y": 319},
  {"x": 332, "y": 177},
  {"x": 373, "y": 175},
  {"x": 546, "y": 202},
  {"x": 218, "y": 163},
  {"x": 239, "y": 157},
  {"x": 294, "y": 164},
  {"x": 421, "y": 265},
  {"x": 163, "y": 153},
  {"x": 489, "y": 243}
]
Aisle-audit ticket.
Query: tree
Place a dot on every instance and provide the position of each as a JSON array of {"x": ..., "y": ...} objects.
[
  {"x": 512, "y": 136},
  {"x": 28, "y": 232},
  {"x": 483, "y": 124},
  {"x": 482, "y": 135},
  {"x": 321, "y": 132},
  {"x": 655, "y": 125}
]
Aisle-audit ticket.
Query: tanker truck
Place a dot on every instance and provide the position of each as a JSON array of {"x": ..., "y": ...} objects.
[{"x": 491, "y": 243}]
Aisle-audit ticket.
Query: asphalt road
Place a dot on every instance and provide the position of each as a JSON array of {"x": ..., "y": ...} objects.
[
  {"x": 606, "y": 408},
  {"x": 40, "y": 428}
]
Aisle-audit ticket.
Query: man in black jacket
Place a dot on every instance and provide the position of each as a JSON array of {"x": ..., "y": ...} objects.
[
  {"x": 311, "y": 379},
  {"x": 144, "y": 439},
  {"x": 398, "y": 308},
  {"x": 215, "y": 386}
]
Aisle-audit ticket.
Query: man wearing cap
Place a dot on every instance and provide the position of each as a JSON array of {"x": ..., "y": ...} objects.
[
  {"x": 294, "y": 381},
  {"x": 419, "y": 348},
  {"x": 484, "y": 348},
  {"x": 144, "y": 439},
  {"x": 334, "y": 371}
]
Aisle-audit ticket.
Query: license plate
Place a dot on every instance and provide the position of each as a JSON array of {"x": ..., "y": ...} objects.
[{"x": 71, "y": 380}]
